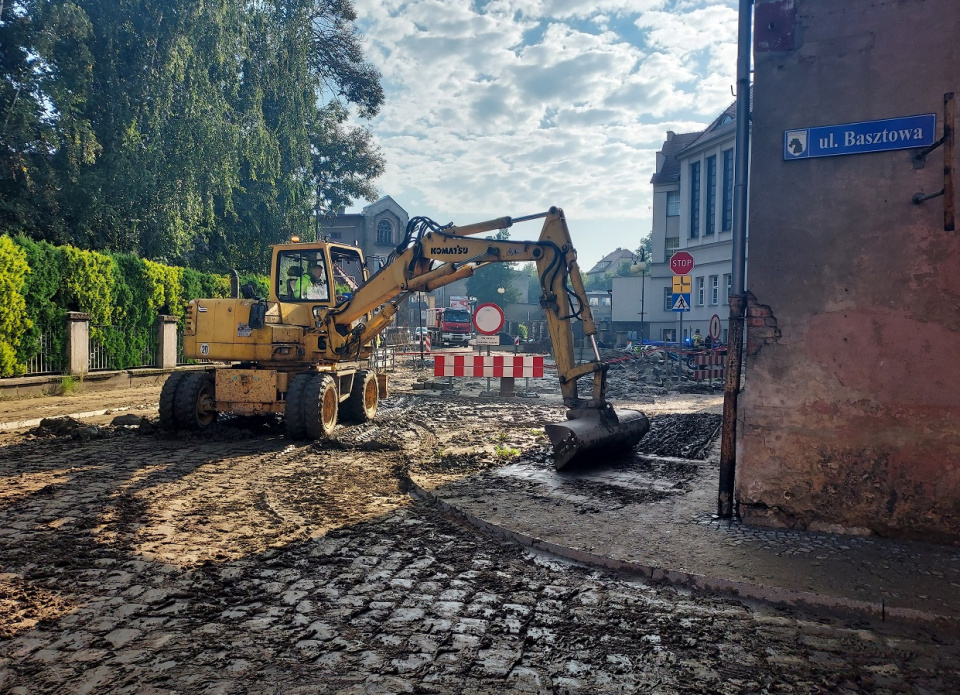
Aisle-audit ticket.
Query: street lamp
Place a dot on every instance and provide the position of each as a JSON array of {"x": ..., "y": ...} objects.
[{"x": 640, "y": 266}]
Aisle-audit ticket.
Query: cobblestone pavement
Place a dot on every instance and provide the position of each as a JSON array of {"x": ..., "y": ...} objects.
[{"x": 239, "y": 563}]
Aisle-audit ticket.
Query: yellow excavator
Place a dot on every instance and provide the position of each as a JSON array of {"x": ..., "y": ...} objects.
[{"x": 302, "y": 352}]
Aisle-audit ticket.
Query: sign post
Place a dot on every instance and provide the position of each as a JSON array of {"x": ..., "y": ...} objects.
[
  {"x": 488, "y": 320},
  {"x": 681, "y": 263}
]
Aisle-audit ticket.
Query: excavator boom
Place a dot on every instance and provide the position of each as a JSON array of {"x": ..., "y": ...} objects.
[
  {"x": 441, "y": 255},
  {"x": 300, "y": 352}
]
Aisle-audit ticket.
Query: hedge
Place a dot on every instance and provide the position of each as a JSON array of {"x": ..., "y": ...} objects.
[
  {"x": 13, "y": 308},
  {"x": 40, "y": 283}
]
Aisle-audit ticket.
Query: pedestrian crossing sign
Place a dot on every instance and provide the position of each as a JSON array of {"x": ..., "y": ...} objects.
[{"x": 681, "y": 301}]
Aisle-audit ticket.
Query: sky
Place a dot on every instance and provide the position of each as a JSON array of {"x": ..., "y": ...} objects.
[{"x": 506, "y": 107}]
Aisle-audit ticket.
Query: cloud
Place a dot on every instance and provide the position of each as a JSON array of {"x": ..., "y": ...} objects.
[{"x": 509, "y": 106}]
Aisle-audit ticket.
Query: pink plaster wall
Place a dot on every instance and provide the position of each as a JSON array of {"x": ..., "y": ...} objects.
[{"x": 851, "y": 417}]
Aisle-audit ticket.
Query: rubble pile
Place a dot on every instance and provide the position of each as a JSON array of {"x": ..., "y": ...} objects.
[{"x": 651, "y": 374}]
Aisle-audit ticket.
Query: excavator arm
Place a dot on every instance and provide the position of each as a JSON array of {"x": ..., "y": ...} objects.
[{"x": 432, "y": 256}]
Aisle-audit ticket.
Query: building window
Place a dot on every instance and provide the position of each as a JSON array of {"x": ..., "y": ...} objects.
[
  {"x": 672, "y": 246},
  {"x": 605, "y": 301},
  {"x": 714, "y": 289},
  {"x": 384, "y": 233},
  {"x": 667, "y": 335},
  {"x": 335, "y": 236},
  {"x": 594, "y": 301},
  {"x": 668, "y": 299},
  {"x": 700, "y": 292},
  {"x": 694, "y": 200},
  {"x": 673, "y": 203},
  {"x": 727, "y": 190},
  {"x": 728, "y": 284},
  {"x": 711, "y": 196}
]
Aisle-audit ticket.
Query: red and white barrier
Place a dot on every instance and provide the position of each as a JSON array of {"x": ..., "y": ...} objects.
[
  {"x": 425, "y": 342},
  {"x": 709, "y": 366},
  {"x": 488, "y": 365}
]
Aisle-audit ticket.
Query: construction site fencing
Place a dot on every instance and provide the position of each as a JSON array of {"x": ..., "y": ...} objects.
[{"x": 384, "y": 359}]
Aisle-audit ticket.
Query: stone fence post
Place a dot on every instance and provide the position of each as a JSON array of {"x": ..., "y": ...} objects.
[
  {"x": 167, "y": 342},
  {"x": 78, "y": 342}
]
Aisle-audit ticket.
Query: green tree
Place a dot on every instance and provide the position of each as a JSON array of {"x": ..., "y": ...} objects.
[
  {"x": 181, "y": 130},
  {"x": 487, "y": 282},
  {"x": 645, "y": 250}
]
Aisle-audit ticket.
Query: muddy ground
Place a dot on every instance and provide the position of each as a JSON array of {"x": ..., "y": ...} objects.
[{"x": 141, "y": 561}]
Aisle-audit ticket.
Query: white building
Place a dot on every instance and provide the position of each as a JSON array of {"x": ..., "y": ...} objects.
[{"x": 692, "y": 211}]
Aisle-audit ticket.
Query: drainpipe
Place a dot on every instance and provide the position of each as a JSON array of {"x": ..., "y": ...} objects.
[{"x": 731, "y": 386}]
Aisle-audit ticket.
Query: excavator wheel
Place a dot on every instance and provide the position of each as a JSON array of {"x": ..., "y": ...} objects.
[
  {"x": 293, "y": 415},
  {"x": 323, "y": 405},
  {"x": 364, "y": 397},
  {"x": 168, "y": 400},
  {"x": 195, "y": 403},
  {"x": 312, "y": 405}
]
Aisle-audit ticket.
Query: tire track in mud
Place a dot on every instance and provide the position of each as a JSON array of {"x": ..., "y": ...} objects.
[{"x": 387, "y": 599}]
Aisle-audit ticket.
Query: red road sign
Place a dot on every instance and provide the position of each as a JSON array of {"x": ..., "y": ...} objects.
[
  {"x": 488, "y": 319},
  {"x": 715, "y": 327},
  {"x": 681, "y": 263}
]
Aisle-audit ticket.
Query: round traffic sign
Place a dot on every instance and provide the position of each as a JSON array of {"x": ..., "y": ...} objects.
[
  {"x": 488, "y": 319},
  {"x": 715, "y": 327},
  {"x": 681, "y": 263}
]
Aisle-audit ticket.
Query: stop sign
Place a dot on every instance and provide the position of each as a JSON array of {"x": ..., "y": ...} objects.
[{"x": 681, "y": 263}]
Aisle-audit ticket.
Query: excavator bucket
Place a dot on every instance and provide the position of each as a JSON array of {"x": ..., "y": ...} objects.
[{"x": 590, "y": 434}]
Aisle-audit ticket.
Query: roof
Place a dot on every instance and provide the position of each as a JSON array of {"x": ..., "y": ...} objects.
[
  {"x": 676, "y": 146},
  {"x": 670, "y": 169},
  {"x": 722, "y": 125},
  {"x": 611, "y": 260}
]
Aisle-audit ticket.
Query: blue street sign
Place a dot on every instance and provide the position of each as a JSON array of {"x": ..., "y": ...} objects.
[
  {"x": 857, "y": 138},
  {"x": 681, "y": 301}
]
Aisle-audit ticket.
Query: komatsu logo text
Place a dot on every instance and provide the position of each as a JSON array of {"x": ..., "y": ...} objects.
[{"x": 452, "y": 251}]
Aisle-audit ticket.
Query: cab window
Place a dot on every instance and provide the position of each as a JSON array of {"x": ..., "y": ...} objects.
[
  {"x": 302, "y": 276},
  {"x": 348, "y": 272}
]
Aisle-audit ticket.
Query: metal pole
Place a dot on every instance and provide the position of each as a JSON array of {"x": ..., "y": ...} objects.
[
  {"x": 643, "y": 297},
  {"x": 731, "y": 387},
  {"x": 680, "y": 348}
]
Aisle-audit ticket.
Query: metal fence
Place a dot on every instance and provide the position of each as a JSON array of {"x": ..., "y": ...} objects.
[
  {"x": 101, "y": 359},
  {"x": 384, "y": 359},
  {"x": 50, "y": 359}
]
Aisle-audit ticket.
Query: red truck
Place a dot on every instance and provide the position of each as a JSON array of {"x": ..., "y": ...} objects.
[{"x": 449, "y": 326}]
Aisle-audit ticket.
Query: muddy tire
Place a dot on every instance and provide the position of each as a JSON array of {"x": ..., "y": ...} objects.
[
  {"x": 168, "y": 400},
  {"x": 364, "y": 398},
  {"x": 293, "y": 414},
  {"x": 195, "y": 403},
  {"x": 321, "y": 406}
]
